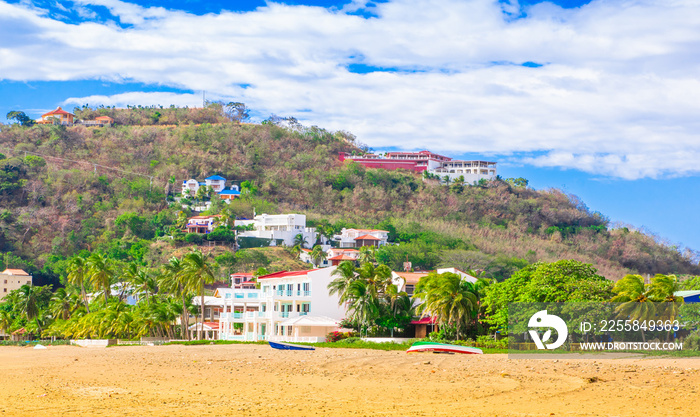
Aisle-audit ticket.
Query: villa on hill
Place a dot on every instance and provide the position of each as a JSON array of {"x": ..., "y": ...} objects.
[
  {"x": 64, "y": 118},
  {"x": 357, "y": 238},
  {"x": 216, "y": 182},
  {"x": 442, "y": 166}
]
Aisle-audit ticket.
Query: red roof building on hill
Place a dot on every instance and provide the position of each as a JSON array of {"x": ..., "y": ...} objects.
[
  {"x": 58, "y": 116},
  {"x": 335, "y": 260}
]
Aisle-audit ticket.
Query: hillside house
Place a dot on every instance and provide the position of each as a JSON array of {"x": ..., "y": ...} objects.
[
  {"x": 283, "y": 227},
  {"x": 243, "y": 281},
  {"x": 13, "y": 279},
  {"x": 357, "y": 238},
  {"x": 421, "y": 161},
  {"x": 217, "y": 184},
  {"x": 202, "y": 224},
  {"x": 58, "y": 116}
]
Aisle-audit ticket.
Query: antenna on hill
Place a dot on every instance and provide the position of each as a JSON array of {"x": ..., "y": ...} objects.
[{"x": 204, "y": 101}]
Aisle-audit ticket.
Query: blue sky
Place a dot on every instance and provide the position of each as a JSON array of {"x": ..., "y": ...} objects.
[{"x": 597, "y": 98}]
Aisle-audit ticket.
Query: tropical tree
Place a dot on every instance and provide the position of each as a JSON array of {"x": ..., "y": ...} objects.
[
  {"x": 362, "y": 303},
  {"x": 63, "y": 303},
  {"x": 197, "y": 273},
  {"x": 100, "y": 273},
  {"x": 140, "y": 280},
  {"x": 367, "y": 255},
  {"x": 174, "y": 282},
  {"x": 635, "y": 303},
  {"x": 30, "y": 300},
  {"x": 295, "y": 251},
  {"x": 78, "y": 275},
  {"x": 345, "y": 274},
  {"x": 318, "y": 255},
  {"x": 448, "y": 298},
  {"x": 301, "y": 241}
]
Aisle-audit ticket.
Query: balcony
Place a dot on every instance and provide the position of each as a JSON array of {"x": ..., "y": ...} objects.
[
  {"x": 244, "y": 316},
  {"x": 291, "y": 293},
  {"x": 244, "y": 295}
]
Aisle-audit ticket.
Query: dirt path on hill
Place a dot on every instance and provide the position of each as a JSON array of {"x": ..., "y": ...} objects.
[{"x": 254, "y": 380}]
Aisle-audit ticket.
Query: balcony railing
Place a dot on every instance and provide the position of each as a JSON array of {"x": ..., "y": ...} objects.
[{"x": 291, "y": 293}]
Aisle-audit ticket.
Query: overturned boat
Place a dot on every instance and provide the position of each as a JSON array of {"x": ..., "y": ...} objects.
[{"x": 443, "y": 348}]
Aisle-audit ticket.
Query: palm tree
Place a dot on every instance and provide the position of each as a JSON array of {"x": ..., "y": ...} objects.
[
  {"x": 140, "y": 279},
  {"x": 295, "y": 251},
  {"x": 367, "y": 255},
  {"x": 301, "y": 241},
  {"x": 363, "y": 304},
  {"x": 662, "y": 290},
  {"x": 198, "y": 273},
  {"x": 62, "y": 304},
  {"x": 173, "y": 281},
  {"x": 448, "y": 298},
  {"x": 318, "y": 255},
  {"x": 634, "y": 298},
  {"x": 345, "y": 273},
  {"x": 5, "y": 321},
  {"x": 77, "y": 274},
  {"x": 379, "y": 278},
  {"x": 100, "y": 272},
  {"x": 28, "y": 298}
]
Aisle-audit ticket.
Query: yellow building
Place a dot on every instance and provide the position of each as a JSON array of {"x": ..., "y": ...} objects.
[
  {"x": 59, "y": 116},
  {"x": 12, "y": 279}
]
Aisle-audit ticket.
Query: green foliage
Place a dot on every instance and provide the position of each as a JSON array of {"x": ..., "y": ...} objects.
[
  {"x": 565, "y": 280},
  {"x": 250, "y": 259},
  {"x": 21, "y": 118}
]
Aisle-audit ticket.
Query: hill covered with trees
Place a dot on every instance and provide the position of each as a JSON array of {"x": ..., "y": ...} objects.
[{"x": 67, "y": 190}]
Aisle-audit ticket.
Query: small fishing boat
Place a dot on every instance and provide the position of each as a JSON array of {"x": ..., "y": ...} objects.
[
  {"x": 443, "y": 348},
  {"x": 289, "y": 346}
]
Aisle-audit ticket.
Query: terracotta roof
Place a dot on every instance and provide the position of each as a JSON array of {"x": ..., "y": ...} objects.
[
  {"x": 9, "y": 271},
  {"x": 424, "y": 320},
  {"x": 59, "y": 110},
  {"x": 306, "y": 250},
  {"x": 411, "y": 277},
  {"x": 283, "y": 274},
  {"x": 205, "y": 217},
  {"x": 104, "y": 118},
  {"x": 341, "y": 258},
  {"x": 367, "y": 237}
]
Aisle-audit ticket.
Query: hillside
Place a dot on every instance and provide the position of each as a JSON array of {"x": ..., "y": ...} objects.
[{"x": 52, "y": 209}]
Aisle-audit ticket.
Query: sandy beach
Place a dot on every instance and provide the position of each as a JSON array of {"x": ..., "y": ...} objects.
[{"x": 259, "y": 381}]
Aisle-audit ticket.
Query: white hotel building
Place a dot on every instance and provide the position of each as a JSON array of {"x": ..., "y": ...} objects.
[{"x": 289, "y": 306}]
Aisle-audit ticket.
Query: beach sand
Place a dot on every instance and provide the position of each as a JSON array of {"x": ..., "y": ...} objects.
[{"x": 245, "y": 380}]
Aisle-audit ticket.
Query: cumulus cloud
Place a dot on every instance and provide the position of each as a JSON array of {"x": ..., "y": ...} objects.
[{"x": 615, "y": 95}]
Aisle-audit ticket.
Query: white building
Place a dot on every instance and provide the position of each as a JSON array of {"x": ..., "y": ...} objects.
[
  {"x": 472, "y": 171},
  {"x": 216, "y": 182},
  {"x": 305, "y": 256},
  {"x": 356, "y": 238},
  {"x": 283, "y": 227},
  {"x": 289, "y": 306}
]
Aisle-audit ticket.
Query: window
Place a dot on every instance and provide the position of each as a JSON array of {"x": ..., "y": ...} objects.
[
  {"x": 298, "y": 308},
  {"x": 4, "y": 290}
]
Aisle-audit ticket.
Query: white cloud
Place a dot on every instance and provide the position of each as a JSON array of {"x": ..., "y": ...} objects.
[{"x": 617, "y": 95}]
